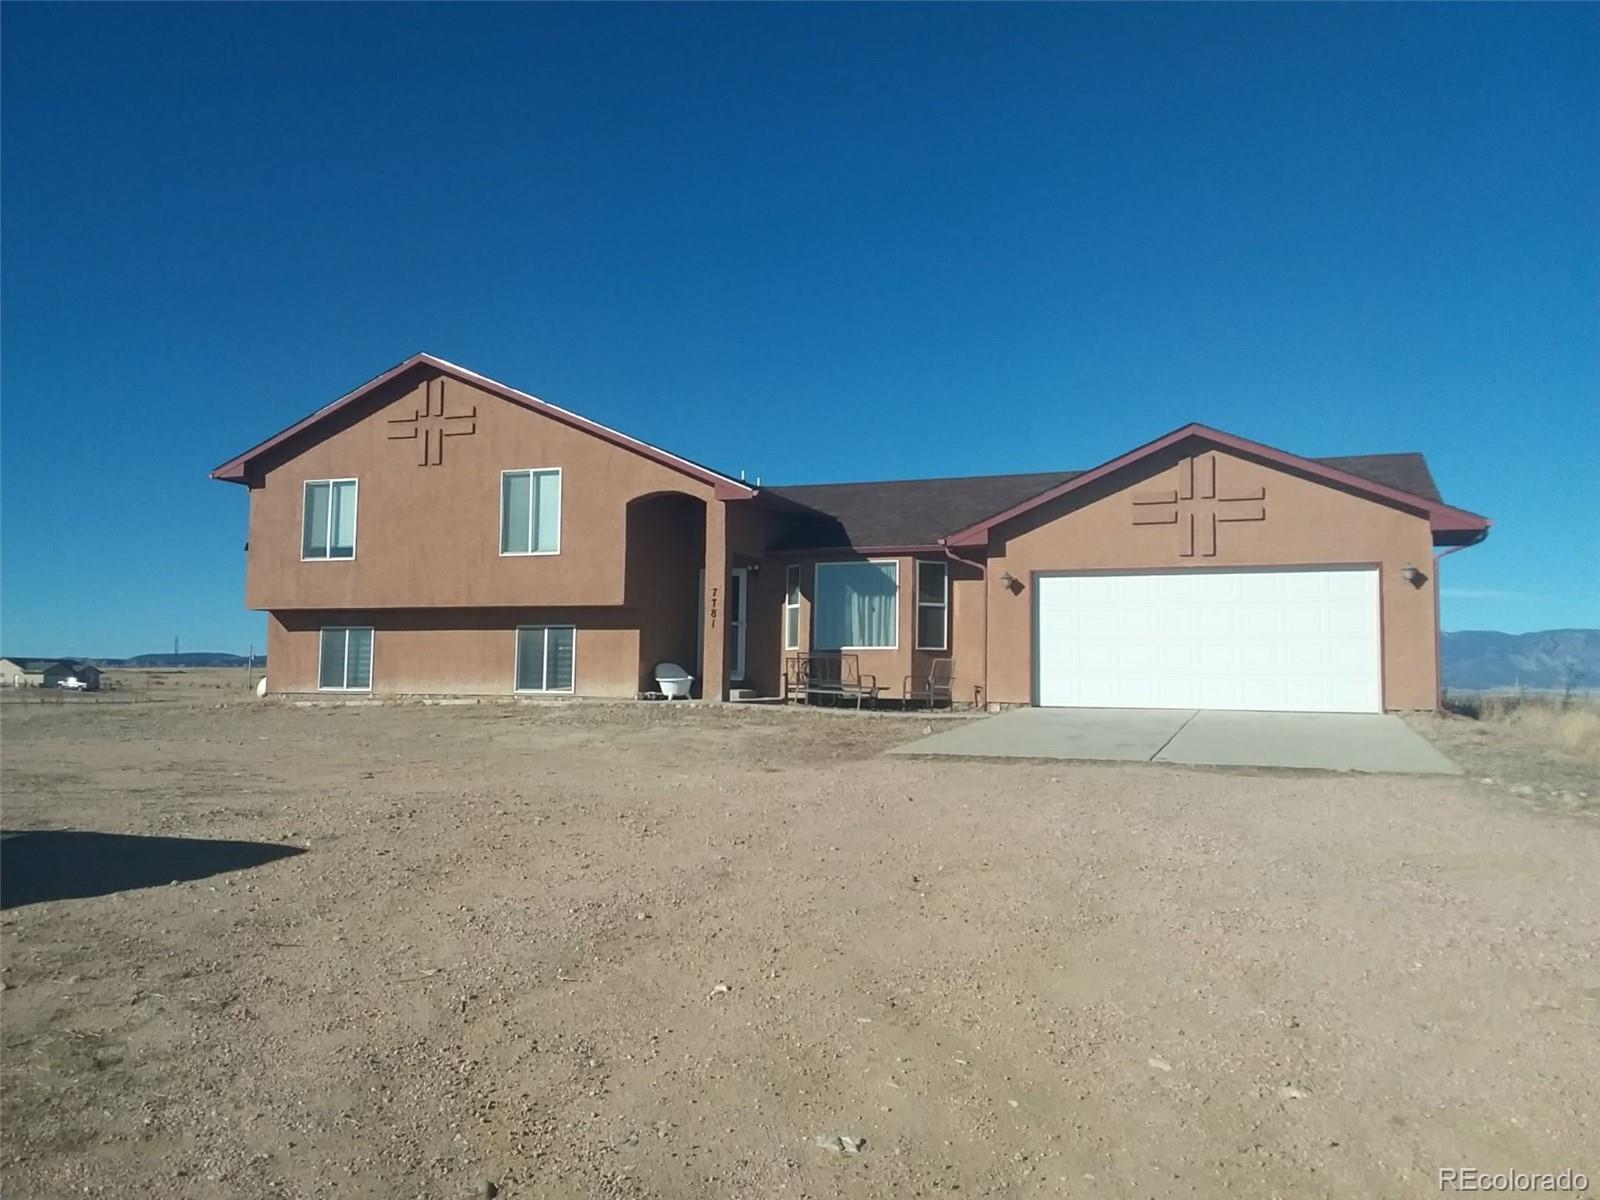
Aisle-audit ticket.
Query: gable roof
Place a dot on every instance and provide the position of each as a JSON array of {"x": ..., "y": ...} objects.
[
  {"x": 919, "y": 513},
  {"x": 236, "y": 469},
  {"x": 70, "y": 666},
  {"x": 1453, "y": 526}
]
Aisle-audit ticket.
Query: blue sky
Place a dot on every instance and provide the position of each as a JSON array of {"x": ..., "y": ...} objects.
[{"x": 816, "y": 243}]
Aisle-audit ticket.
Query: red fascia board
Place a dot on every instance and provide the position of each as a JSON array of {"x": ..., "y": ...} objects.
[
  {"x": 804, "y": 551},
  {"x": 1440, "y": 516},
  {"x": 235, "y": 470},
  {"x": 1457, "y": 520}
]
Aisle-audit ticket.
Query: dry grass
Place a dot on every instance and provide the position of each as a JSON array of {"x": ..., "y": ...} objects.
[
  {"x": 1561, "y": 722},
  {"x": 120, "y": 685}
]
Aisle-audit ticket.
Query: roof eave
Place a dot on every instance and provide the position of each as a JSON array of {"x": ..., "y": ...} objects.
[
  {"x": 802, "y": 551},
  {"x": 1464, "y": 529},
  {"x": 1440, "y": 515},
  {"x": 236, "y": 470}
]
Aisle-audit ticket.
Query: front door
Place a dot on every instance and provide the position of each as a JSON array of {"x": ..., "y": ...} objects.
[{"x": 738, "y": 606}]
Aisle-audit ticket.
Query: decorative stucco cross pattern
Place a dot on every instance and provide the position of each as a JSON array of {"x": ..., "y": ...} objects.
[
  {"x": 430, "y": 425},
  {"x": 1196, "y": 505}
]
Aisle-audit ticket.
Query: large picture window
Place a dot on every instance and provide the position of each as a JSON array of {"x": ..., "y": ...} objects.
[
  {"x": 346, "y": 660},
  {"x": 857, "y": 606},
  {"x": 544, "y": 658},
  {"x": 933, "y": 606},
  {"x": 530, "y": 511},
  {"x": 328, "y": 519},
  {"x": 791, "y": 607}
]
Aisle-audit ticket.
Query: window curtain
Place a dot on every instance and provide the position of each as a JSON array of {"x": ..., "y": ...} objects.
[
  {"x": 547, "y": 512},
  {"x": 514, "y": 502},
  {"x": 530, "y": 660},
  {"x": 857, "y": 605},
  {"x": 344, "y": 520},
  {"x": 314, "y": 541},
  {"x": 558, "y": 660},
  {"x": 330, "y": 673},
  {"x": 358, "y": 661}
]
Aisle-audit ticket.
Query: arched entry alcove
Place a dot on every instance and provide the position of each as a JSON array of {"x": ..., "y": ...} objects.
[{"x": 666, "y": 542}]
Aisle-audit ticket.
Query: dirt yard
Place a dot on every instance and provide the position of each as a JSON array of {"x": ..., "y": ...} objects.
[{"x": 635, "y": 951}]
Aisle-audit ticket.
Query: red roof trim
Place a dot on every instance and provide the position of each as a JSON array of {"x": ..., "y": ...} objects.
[
  {"x": 1442, "y": 517},
  {"x": 235, "y": 469},
  {"x": 803, "y": 551}
]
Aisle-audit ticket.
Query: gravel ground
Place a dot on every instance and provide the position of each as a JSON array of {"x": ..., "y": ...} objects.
[{"x": 631, "y": 951}]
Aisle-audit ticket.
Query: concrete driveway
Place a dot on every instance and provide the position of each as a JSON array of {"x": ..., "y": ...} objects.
[{"x": 1320, "y": 741}]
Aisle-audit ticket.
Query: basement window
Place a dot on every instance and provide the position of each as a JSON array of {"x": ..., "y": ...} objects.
[
  {"x": 345, "y": 662},
  {"x": 544, "y": 658}
]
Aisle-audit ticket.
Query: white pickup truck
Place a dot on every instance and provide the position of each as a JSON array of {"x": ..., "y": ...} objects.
[{"x": 73, "y": 684}]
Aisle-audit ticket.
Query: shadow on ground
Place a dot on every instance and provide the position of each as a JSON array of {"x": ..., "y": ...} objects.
[{"x": 69, "y": 864}]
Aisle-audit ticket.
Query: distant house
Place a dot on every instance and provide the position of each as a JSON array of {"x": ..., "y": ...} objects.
[
  {"x": 59, "y": 673},
  {"x": 28, "y": 672}
]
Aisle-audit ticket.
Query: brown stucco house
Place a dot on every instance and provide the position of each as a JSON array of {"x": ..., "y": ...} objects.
[{"x": 436, "y": 532}]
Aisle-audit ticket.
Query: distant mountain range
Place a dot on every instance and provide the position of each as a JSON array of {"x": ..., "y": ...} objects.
[
  {"x": 1551, "y": 660},
  {"x": 198, "y": 658}
]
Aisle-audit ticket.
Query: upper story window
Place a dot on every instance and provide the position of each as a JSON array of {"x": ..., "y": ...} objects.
[
  {"x": 857, "y": 606},
  {"x": 530, "y": 511},
  {"x": 328, "y": 519},
  {"x": 933, "y": 606}
]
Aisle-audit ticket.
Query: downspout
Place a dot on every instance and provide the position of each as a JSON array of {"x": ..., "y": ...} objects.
[
  {"x": 1438, "y": 635},
  {"x": 983, "y": 574}
]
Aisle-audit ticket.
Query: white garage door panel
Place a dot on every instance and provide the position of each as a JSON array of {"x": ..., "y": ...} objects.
[{"x": 1296, "y": 641}]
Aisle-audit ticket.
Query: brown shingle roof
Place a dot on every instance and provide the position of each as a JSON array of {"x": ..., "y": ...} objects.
[
  {"x": 902, "y": 512},
  {"x": 918, "y": 512},
  {"x": 1408, "y": 472}
]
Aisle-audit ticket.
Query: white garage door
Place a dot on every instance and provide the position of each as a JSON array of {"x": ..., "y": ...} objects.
[{"x": 1293, "y": 641}]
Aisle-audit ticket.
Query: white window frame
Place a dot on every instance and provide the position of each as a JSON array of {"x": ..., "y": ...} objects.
[
  {"x": 355, "y": 523},
  {"x": 940, "y": 604},
  {"x": 792, "y": 571},
  {"x": 533, "y": 495},
  {"x": 372, "y": 667},
  {"x": 516, "y": 662},
  {"x": 855, "y": 562}
]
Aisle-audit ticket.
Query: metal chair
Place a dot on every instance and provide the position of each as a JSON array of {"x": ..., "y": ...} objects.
[{"x": 936, "y": 685}]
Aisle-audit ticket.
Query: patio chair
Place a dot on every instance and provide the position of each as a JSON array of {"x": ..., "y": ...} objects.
[{"x": 935, "y": 686}]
